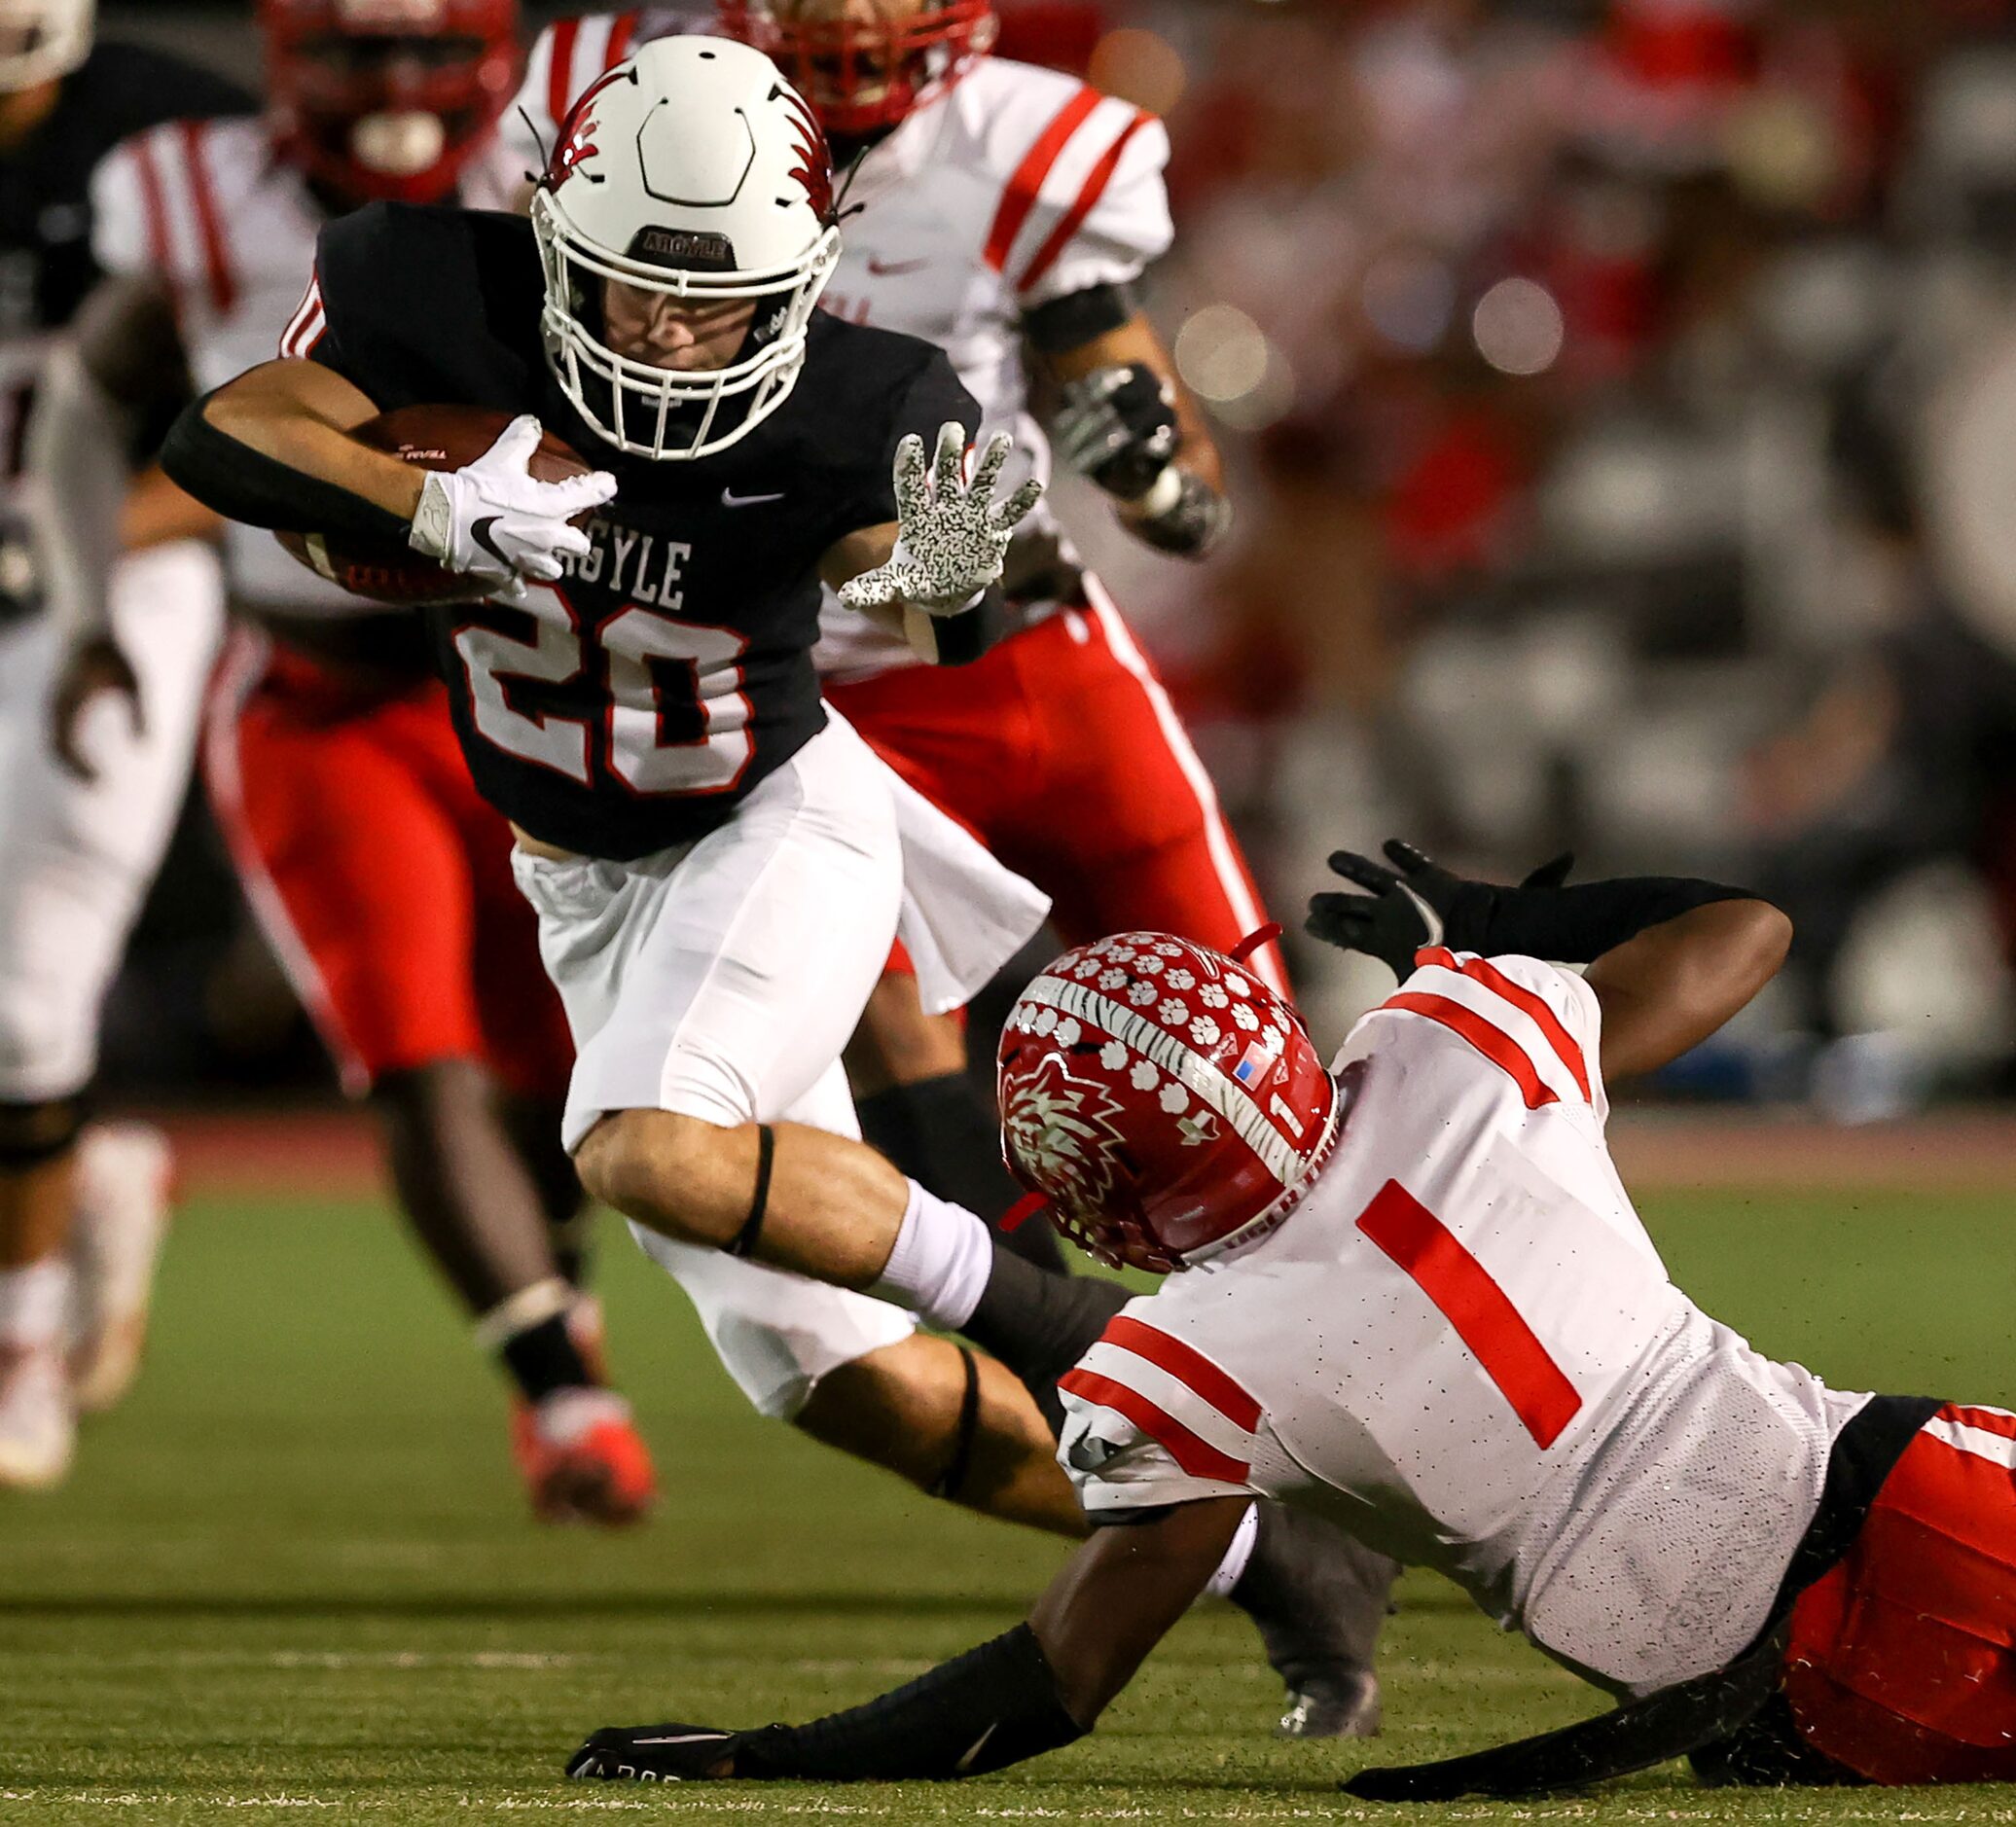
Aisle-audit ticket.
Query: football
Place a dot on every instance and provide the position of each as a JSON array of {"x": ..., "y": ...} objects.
[{"x": 432, "y": 438}]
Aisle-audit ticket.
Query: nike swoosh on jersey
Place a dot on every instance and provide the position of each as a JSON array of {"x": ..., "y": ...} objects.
[
  {"x": 684, "y": 1738},
  {"x": 730, "y": 499},
  {"x": 889, "y": 268}
]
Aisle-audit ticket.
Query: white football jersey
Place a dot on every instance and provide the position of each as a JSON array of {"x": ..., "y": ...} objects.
[
  {"x": 207, "y": 209},
  {"x": 1465, "y": 1347},
  {"x": 1015, "y": 186}
]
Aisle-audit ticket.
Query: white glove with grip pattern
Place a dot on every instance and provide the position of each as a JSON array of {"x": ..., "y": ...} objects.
[
  {"x": 952, "y": 535},
  {"x": 496, "y": 522}
]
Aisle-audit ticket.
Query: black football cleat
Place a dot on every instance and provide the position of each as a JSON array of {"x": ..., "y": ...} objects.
[
  {"x": 1319, "y": 1599},
  {"x": 651, "y": 1754}
]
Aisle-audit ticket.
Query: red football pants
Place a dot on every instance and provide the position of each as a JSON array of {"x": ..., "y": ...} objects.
[
  {"x": 1061, "y": 751},
  {"x": 383, "y": 882},
  {"x": 1902, "y": 1659}
]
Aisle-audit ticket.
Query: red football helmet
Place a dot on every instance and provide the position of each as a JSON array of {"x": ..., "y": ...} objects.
[
  {"x": 866, "y": 68},
  {"x": 389, "y": 98},
  {"x": 1160, "y": 1099}
]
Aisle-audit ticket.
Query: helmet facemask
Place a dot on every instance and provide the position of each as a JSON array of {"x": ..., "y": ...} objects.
[
  {"x": 388, "y": 102},
  {"x": 673, "y": 414},
  {"x": 863, "y": 76}
]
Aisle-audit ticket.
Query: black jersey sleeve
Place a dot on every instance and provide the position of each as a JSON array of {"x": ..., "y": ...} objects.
[
  {"x": 359, "y": 338},
  {"x": 931, "y": 394},
  {"x": 410, "y": 301}
]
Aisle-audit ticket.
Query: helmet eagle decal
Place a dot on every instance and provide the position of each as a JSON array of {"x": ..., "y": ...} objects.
[{"x": 1065, "y": 1129}]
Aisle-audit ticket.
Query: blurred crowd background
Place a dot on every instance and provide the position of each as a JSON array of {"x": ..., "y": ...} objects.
[{"x": 1621, "y": 401}]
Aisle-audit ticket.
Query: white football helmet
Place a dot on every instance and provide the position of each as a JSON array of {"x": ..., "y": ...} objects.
[
  {"x": 41, "y": 39},
  {"x": 694, "y": 171}
]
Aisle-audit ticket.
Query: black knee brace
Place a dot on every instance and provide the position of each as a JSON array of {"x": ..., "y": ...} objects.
[{"x": 33, "y": 1134}]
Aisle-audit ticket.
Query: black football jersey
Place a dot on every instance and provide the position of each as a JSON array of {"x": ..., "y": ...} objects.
[
  {"x": 46, "y": 262},
  {"x": 631, "y": 708}
]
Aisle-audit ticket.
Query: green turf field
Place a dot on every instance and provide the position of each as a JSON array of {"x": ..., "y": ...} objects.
[{"x": 293, "y": 1577}]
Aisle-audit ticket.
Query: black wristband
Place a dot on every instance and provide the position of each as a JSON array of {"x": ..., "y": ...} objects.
[
  {"x": 992, "y": 1706},
  {"x": 1075, "y": 319},
  {"x": 1193, "y": 525},
  {"x": 961, "y": 639},
  {"x": 246, "y": 486},
  {"x": 1576, "y": 924}
]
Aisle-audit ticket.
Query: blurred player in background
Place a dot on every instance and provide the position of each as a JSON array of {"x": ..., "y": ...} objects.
[
  {"x": 81, "y": 1207},
  {"x": 381, "y": 879},
  {"x": 1003, "y": 212}
]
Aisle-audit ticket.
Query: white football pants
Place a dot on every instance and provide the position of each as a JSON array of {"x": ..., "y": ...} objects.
[{"x": 722, "y": 979}]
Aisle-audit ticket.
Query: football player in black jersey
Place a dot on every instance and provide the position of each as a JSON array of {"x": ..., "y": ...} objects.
[
  {"x": 719, "y": 866},
  {"x": 718, "y": 862},
  {"x": 74, "y": 860}
]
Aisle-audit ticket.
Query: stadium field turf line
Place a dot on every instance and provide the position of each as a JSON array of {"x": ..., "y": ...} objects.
[{"x": 293, "y": 1579}]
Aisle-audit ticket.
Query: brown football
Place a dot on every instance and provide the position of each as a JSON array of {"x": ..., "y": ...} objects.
[{"x": 434, "y": 438}]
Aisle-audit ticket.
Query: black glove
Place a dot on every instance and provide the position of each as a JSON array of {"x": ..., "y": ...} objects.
[
  {"x": 1118, "y": 426},
  {"x": 669, "y": 1753},
  {"x": 1415, "y": 904}
]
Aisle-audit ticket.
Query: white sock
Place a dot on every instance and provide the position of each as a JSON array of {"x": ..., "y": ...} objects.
[
  {"x": 1222, "y": 1583},
  {"x": 940, "y": 1266},
  {"x": 34, "y": 1301}
]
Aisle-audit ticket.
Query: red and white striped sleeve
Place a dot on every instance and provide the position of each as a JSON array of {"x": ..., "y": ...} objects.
[
  {"x": 568, "y": 55},
  {"x": 1149, "y": 1419},
  {"x": 1539, "y": 1025},
  {"x": 159, "y": 211},
  {"x": 309, "y": 326},
  {"x": 1083, "y": 204}
]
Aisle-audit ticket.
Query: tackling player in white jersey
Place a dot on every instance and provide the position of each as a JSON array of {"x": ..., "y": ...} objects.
[
  {"x": 80, "y": 1209},
  {"x": 1411, "y": 1293},
  {"x": 381, "y": 878}
]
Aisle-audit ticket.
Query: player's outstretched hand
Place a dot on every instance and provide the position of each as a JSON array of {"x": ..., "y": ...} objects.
[
  {"x": 952, "y": 535},
  {"x": 1413, "y": 903},
  {"x": 496, "y": 522},
  {"x": 667, "y": 1753}
]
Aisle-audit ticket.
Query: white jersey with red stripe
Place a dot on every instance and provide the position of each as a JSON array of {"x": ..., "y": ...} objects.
[
  {"x": 209, "y": 211},
  {"x": 1464, "y": 1345},
  {"x": 1015, "y": 186}
]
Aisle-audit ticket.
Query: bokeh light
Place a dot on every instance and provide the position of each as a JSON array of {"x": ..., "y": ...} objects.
[
  {"x": 1226, "y": 359},
  {"x": 1409, "y": 299},
  {"x": 1518, "y": 327},
  {"x": 1139, "y": 66}
]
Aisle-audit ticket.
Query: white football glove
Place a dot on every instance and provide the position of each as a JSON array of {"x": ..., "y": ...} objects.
[
  {"x": 495, "y": 521},
  {"x": 952, "y": 535}
]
